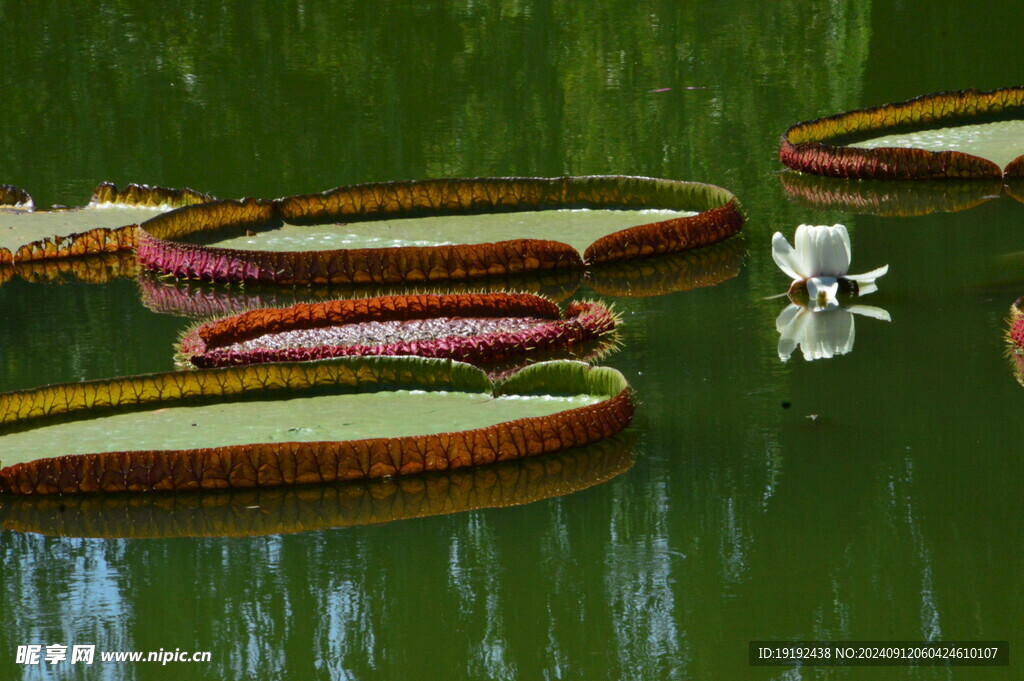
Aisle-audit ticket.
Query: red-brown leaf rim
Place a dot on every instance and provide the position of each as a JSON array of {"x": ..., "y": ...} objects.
[
  {"x": 811, "y": 147},
  {"x": 209, "y": 344},
  {"x": 160, "y": 250}
]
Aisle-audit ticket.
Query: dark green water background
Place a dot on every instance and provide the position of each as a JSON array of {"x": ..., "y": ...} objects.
[{"x": 895, "y": 514}]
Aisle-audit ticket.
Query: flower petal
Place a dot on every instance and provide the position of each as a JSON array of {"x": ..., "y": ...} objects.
[
  {"x": 865, "y": 289},
  {"x": 871, "y": 311},
  {"x": 841, "y": 242},
  {"x": 803, "y": 242},
  {"x": 845, "y": 236},
  {"x": 868, "y": 277},
  {"x": 786, "y": 258},
  {"x": 829, "y": 254}
]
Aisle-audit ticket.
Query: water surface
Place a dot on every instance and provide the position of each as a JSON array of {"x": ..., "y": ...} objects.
[{"x": 873, "y": 495}]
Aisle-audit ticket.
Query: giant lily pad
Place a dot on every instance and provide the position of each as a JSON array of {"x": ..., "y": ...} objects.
[
  {"x": 280, "y": 510},
  {"x": 949, "y": 135},
  {"x": 307, "y": 422},
  {"x": 105, "y": 225},
  {"x": 437, "y": 230},
  {"x": 484, "y": 328}
]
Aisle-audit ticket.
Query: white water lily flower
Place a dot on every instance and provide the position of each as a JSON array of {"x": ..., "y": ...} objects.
[
  {"x": 821, "y": 261},
  {"x": 823, "y": 333}
]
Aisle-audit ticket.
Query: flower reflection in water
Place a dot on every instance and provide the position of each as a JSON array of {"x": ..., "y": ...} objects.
[{"x": 821, "y": 333}]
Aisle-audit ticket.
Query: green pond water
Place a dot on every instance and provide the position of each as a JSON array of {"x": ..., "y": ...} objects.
[
  {"x": 577, "y": 227},
  {"x": 874, "y": 495}
]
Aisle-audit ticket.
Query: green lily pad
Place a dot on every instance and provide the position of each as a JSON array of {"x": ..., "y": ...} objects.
[
  {"x": 105, "y": 225},
  {"x": 944, "y": 136},
  {"x": 999, "y": 141},
  {"x": 437, "y": 230},
  {"x": 302, "y": 419},
  {"x": 275, "y": 424},
  {"x": 577, "y": 227},
  {"x": 20, "y": 227}
]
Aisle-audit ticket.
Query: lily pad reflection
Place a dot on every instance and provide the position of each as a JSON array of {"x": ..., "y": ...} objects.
[
  {"x": 90, "y": 269},
  {"x": 656, "y": 276},
  {"x": 889, "y": 198},
  {"x": 286, "y": 510}
]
